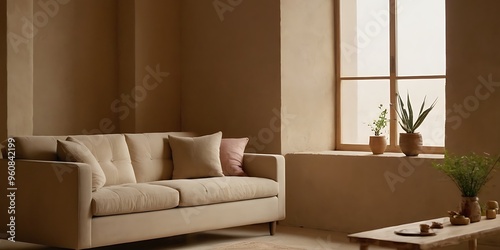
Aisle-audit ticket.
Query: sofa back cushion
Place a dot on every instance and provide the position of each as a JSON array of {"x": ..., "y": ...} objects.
[
  {"x": 151, "y": 155},
  {"x": 112, "y": 153}
]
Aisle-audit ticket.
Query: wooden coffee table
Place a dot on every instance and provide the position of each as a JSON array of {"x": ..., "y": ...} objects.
[{"x": 448, "y": 235}]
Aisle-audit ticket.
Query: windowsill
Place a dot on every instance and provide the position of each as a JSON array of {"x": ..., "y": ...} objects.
[{"x": 369, "y": 154}]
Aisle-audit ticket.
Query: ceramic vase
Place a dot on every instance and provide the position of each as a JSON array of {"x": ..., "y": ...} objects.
[{"x": 471, "y": 208}]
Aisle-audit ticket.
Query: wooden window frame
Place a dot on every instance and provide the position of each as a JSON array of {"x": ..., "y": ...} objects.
[{"x": 393, "y": 79}]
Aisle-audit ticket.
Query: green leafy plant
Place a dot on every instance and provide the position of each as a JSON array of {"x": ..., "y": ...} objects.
[
  {"x": 406, "y": 120},
  {"x": 381, "y": 122},
  {"x": 469, "y": 172}
]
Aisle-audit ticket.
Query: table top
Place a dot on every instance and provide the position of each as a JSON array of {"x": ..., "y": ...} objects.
[{"x": 448, "y": 235}]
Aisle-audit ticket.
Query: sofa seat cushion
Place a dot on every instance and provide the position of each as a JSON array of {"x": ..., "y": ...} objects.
[
  {"x": 203, "y": 191},
  {"x": 133, "y": 198}
]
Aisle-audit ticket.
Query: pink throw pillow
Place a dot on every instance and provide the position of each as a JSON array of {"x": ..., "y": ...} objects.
[{"x": 231, "y": 156}]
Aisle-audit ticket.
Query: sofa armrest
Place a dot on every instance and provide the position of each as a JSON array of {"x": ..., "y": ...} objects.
[
  {"x": 52, "y": 202},
  {"x": 265, "y": 165},
  {"x": 268, "y": 166}
]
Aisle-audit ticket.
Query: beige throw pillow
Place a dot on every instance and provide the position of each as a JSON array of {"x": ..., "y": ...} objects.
[
  {"x": 73, "y": 150},
  {"x": 196, "y": 157}
]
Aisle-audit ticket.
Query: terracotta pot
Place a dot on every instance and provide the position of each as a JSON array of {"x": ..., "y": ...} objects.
[
  {"x": 378, "y": 144},
  {"x": 471, "y": 208},
  {"x": 410, "y": 143}
]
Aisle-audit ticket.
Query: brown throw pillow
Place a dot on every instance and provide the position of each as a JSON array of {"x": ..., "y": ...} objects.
[
  {"x": 231, "y": 156},
  {"x": 73, "y": 150},
  {"x": 196, "y": 157}
]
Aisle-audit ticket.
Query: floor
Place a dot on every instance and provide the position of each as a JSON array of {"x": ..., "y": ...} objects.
[{"x": 289, "y": 236}]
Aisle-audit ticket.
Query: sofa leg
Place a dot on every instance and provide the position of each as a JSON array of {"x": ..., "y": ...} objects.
[{"x": 272, "y": 227}]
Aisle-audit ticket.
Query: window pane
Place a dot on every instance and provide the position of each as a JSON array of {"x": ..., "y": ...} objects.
[
  {"x": 364, "y": 37},
  {"x": 359, "y": 102},
  {"x": 421, "y": 37},
  {"x": 432, "y": 129}
]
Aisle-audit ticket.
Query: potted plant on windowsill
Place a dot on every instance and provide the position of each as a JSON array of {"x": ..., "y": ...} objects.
[
  {"x": 378, "y": 142},
  {"x": 469, "y": 173},
  {"x": 410, "y": 142}
]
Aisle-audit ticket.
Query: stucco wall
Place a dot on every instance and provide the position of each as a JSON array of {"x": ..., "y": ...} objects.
[
  {"x": 19, "y": 90},
  {"x": 75, "y": 69},
  {"x": 473, "y": 85},
  {"x": 357, "y": 192},
  {"x": 76, "y": 76},
  {"x": 307, "y": 75},
  {"x": 3, "y": 70},
  {"x": 158, "y": 65},
  {"x": 231, "y": 70}
]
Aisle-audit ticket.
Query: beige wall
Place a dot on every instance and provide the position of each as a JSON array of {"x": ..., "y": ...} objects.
[
  {"x": 19, "y": 68},
  {"x": 158, "y": 65},
  {"x": 126, "y": 64},
  {"x": 75, "y": 77},
  {"x": 3, "y": 70},
  {"x": 231, "y": 70},
  {"x": 352, "y": 193},
  {"x": 149, "y": 66},
  {"x": 92, "y": 83},
  {"x": 307, "y": 76},
  {"x": 346, "y": 193},
  {"x": 473, "y": 85}
]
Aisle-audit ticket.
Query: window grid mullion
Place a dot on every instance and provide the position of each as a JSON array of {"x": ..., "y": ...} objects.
[
  {"x": 337, "y": 51},
  {"x": 393, "y": 72}
]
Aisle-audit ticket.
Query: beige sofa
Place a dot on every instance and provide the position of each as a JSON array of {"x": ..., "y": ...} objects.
[{"x": 55, "y": 204}]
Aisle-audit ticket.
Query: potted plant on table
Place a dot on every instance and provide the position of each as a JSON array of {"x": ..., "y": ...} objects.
[
  {"x": 378, "y": 142},
  {"x": 469, "y": 173},
  {"x": 410, "y": 142}
]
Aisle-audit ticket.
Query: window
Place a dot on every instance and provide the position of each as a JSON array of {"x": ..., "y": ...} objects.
[{"x": 385, "y": 47}]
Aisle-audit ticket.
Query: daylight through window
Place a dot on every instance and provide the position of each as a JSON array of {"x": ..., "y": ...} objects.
[{"x": 386, "y": 47}]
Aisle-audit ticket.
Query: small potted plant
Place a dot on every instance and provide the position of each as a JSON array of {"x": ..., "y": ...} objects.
[
  {"x": 469, "y": 173},
  {"x": 410, "y": 142},
  {"x": 378, "y": 142}
]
